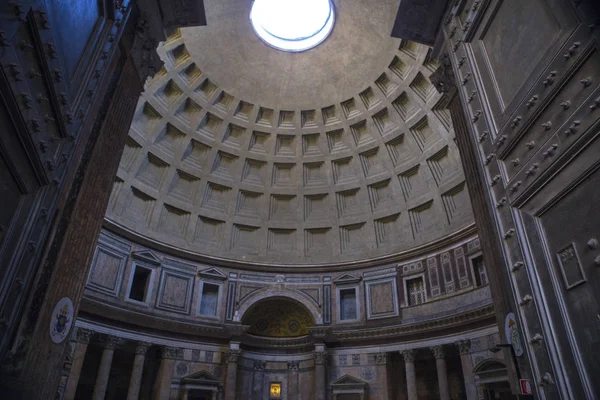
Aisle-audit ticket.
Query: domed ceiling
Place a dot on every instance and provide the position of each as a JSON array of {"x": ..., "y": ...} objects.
[{"x": 242, "y": 152}]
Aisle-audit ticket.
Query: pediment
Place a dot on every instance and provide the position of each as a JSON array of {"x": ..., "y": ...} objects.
[
  {"x": 212, "y": 273},
  {"x": 147, "y": 256},
  {"x": 346, "y": 278},
  {"x": 348, "y": 380},
  {"x": 201, "y": 377}
]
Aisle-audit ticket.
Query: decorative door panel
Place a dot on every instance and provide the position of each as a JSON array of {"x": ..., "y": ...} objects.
[
  {"x": 511, "y": 45},
  {"x": 571, "y": 228}
]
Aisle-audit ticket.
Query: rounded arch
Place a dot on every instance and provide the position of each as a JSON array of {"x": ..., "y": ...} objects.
[
  {"x": 489, "y": 364},
  {"x": 293, "y": 295},
  {"x": 491, "y": 371}
]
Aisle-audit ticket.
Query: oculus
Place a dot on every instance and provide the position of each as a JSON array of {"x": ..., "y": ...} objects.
[{"x": 292, "y": 25}]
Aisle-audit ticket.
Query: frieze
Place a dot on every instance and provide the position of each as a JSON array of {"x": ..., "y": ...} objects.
[
  {"x": 259, "y": 365},
  {"x": 400, "y": 330},
  {"x": 412, "y": 268},
  {"x": 257, "y": 278},
  {"x": 302, "y": 279},
  {"x": 381, "y": 358},
  {"x": 379, "y": 272},
  {"x": 179, "y": 265}
]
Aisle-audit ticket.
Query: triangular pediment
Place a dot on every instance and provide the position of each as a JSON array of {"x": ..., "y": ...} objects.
[
  {"x": 201, "y": 377},
  {"x": 348, "y": 380},
  {"x": 147, "y": 256},
  {"x": 346, "y": 278},
  {"x": 213, "y": 273}
]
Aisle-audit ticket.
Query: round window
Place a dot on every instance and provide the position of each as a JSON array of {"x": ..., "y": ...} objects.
[{"x": 292, "y": 25}]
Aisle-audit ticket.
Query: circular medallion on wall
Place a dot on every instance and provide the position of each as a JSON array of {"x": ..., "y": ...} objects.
[
  {"x": 262, "y": 325},
  {"x": 367, "y": 373},
  {"x": 293, "y": 326},
  {"x": 61, "y": 320},
  {"x": 182, "y": 369}
]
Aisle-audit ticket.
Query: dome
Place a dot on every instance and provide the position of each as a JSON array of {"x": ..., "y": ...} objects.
[{"x": 241, "y": 152}]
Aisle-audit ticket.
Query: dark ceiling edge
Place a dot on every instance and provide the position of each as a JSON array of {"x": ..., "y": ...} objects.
[
  {"x": 415, "y": 252},
  {"x": 419, "y": 20}
]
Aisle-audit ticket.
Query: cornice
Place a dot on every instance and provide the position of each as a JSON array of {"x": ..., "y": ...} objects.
[
  {"x": 422, "y": 251},
  {"x": 402, "y": 330},
  {"x": 169, "y": 325}
]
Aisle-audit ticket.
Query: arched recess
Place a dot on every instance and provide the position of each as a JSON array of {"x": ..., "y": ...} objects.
[
  {"x": 492, "y": 379},
  {"x": 296, "y": 296}
]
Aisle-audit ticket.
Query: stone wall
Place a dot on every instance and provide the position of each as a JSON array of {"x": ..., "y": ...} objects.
[{"x": 174, "y": 288}]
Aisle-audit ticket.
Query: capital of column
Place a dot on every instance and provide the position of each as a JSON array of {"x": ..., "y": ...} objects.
[
  {"x": 171, "y": 353},
  {"x": 293, "y": 365},
  {"x": 409, "y": 355},
  {"x": 111, "y": 342},
  {"x": 381, "y": 358},
  {"x": 320, "y": 357},
  {"x": 84, "y": 335},
  {"x": 438, "y": 351},
  {"x": 443, "y": 78},
  {"x": 259, "y": 365},
  {"x": 142, "y": 347},
  {"x": 464, "y": 346},
  {"x": 233, "y": 355}
]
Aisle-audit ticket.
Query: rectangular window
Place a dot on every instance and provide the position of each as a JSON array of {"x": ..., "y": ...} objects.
[
  {"x": 416, "y": 291},
  {"x": 139, "y": 284},
  {"x": 348, "y": 309},
  {"x": 209, "y": 299},
  {"x": 479, "y": 271}
]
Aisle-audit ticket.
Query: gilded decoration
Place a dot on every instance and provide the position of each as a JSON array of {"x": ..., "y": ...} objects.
[{"x": 278, "y": 318}]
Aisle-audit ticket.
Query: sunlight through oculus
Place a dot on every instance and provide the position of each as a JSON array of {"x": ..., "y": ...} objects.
[{"x": 292, "y": 25}]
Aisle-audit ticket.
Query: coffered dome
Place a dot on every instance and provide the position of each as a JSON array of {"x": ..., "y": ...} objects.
[{"x": 239, "y": 151}]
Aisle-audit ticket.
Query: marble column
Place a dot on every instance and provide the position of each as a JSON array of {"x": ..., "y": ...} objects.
[
  {"x": 293, "y": 367},
  {"x": 381, "y": 362},
  {"x": 440, "y": 364},
  {"x": 411, "y": 377},
  {"x": 232, "y": 365},
  {"x": 136, "y": 372},
  {"x": 464, "y": 348},
  {"x": 83, "y": 339},
  {"x": 258, "y": 380},
  {"x": 162, "y": 386},
  {"x": 104, "y": 369},
  {"x": 320, "y": 372}
]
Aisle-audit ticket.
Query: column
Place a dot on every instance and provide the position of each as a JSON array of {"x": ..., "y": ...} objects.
[
  {"x": 186, "y": 394},
  {"x": 258, "y": 380},
  {"x": 162, "y": 386},
  {"x": 232, "y": 364},
  {"x": 104, "y": 369},
  {"x": 136, "y": 372},
  {"x": 464, "y": 348},
  {"x": 293, "y": 367},
  {"x": 411, "y": 377},
  {"x": 381, "y": 361},
  {"x": 320, "y": 372},
  {"x": 83, "y": 339},
  {"x": 440, "y": 364}
]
